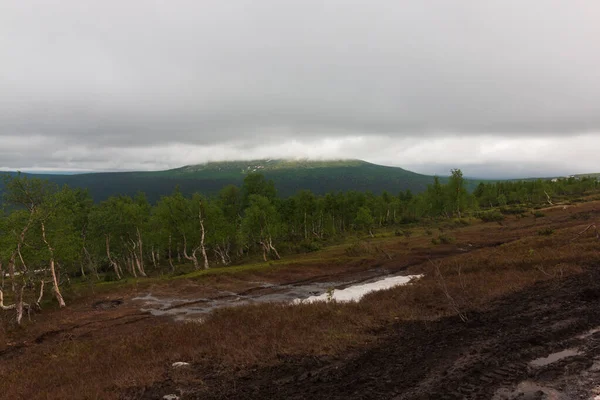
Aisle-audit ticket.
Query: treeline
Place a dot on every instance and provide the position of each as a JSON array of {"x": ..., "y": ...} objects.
[{"x": 49, "y": 235}]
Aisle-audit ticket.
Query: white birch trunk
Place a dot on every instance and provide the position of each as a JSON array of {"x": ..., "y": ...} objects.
[
  {"x": 112, "y": 262},
  {"x": 202, "y": 247},
  {"x": 57, "y": 294}
]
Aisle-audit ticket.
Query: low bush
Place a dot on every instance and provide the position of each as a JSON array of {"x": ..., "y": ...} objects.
[
  {"x": 443, "y": 239},
  {"x": 446, "y": 239},
  {"x": 309, "y": 246},
  {"x": 359, "y": 248},
  {"x": 492, "y": 216},
  {"x": 512, "y": 210}
]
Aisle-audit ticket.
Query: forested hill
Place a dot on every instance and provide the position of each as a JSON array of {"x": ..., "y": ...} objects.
[{"x": 289, "y": 177}]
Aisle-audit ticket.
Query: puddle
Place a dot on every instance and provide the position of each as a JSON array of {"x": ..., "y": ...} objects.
[
  {"x": 554, "y": 357},
  {"x": 196, "y": 309},
  {"x": 356, "y": 292}
]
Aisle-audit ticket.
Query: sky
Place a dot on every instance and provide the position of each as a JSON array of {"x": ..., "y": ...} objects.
[{"x": 496, "y": 88}]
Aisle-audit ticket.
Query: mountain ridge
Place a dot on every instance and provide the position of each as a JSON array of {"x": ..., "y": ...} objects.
[{"x": 289, "y": 176}]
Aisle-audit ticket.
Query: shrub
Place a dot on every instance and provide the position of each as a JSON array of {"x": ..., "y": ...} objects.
[
  {"x": 359, "y": 248},
  {"x": 408, "y": 220},
  {"x": 512, "y": 210},
  {"x": 446, "y": 239},
  {"x": 428, "y": 232},
  {"x": 443, "y": 239},
  {"x": 538, "y": 214},
  {"x": 492, "y": 216},
  {"x": 309, "y": 246},
  {"x": 546, "y": 232}
]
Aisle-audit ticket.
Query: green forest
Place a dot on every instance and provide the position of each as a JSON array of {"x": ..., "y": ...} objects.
[{"x": 50, "y": 235}]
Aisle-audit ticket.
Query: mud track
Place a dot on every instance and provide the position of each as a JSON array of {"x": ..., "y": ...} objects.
[{"x": 488, "y": 357}]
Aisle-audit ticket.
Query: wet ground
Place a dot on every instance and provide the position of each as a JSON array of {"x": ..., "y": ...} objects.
[
  {"x": 351, "y": 289},
  {"x": 542, "y": 343}
]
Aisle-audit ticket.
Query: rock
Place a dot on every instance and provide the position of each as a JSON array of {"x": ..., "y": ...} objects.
[{"x": 170, "y": 397}]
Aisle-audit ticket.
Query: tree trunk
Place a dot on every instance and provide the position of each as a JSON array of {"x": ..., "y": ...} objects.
[
  {"x": 154, "y": 263},
  {"x": 135, "y": 260},
  {"x": 202, "y": 247},
  {"x": 90, "y": 262},
  {"x": 11, "y": 269},
  {"x": 59, "y": 298},
  {"x": 193, "y": 257},
  {"x": 333, "y": 223},
  {"x": 140, "y": 255},
  {"x": 273, "y": 248},
  {"x": 265, "y": 248},
  {"x": 2, "y": 306},
  {"x": 305, "y": 228},
  {"x": 171, "y": 258},
  {"x": 20, "y": 304},
  {"x": 112, "y": 262},
  {"x": 223, "y": 253},
  {"x": 130, "y": 264},
  {"x": 41, "y": 293}
]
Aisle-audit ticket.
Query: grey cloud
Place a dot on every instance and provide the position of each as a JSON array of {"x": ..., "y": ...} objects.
[{"x": 141, "y": 74}]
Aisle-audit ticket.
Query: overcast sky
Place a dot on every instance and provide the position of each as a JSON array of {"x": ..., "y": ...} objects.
[{"x": 496, "y": 88}]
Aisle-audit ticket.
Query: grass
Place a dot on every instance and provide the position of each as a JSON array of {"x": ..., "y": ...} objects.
[{"x": 108, "y": 356}]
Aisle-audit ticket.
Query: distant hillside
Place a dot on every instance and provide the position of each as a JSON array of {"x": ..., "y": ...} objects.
[{"x": 289, "y": 176}]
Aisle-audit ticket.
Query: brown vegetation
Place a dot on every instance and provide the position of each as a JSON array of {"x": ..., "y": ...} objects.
[{"x": 81, "y": 352}]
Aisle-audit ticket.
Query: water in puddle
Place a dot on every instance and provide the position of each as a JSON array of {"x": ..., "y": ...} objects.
[
  {"x": 356, "y": 292},
  {"x": 554, "y": 357},
  {"x": 182, "y": 309}
]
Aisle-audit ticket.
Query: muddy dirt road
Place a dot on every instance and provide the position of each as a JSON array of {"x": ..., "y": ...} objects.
[{"x": 514, "y": 350}]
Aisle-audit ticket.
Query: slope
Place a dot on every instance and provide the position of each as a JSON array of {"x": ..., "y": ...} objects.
[{"x": 289, "y": 177}]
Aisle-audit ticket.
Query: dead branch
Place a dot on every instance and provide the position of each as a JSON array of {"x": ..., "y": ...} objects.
[
  {"x": 442, "y": 283},
  {"x": 587, "y": 229},
  {"x": 548, "y": 197}
]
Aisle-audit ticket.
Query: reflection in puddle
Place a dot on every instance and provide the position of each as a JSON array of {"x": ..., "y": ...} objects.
[
  {"x": 356, "y": 292},
  {"x": 182, "y": 309},
  {"x": 554, "y": 357}
]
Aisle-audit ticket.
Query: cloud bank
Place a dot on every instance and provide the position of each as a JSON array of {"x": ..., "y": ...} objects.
[{"x": 497, "y": 88}]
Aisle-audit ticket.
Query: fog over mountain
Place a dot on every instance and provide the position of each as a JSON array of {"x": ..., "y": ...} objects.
[{"x": 497, "y": 88}]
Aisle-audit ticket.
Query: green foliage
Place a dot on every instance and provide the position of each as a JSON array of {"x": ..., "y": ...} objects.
[
  {"x": 491, "y": 216},
  {"x": 514, "y": 210},
  {"x": 309, "y": 246},
  {"x": 364, "y": 220},
  {"x": 546, "y": 232},
  {"x": 124, "y": 234},
  {"x": 538, "y": 214},
  {"x": 289, "y": 177},
  {"x": 443, "y": 239}
]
